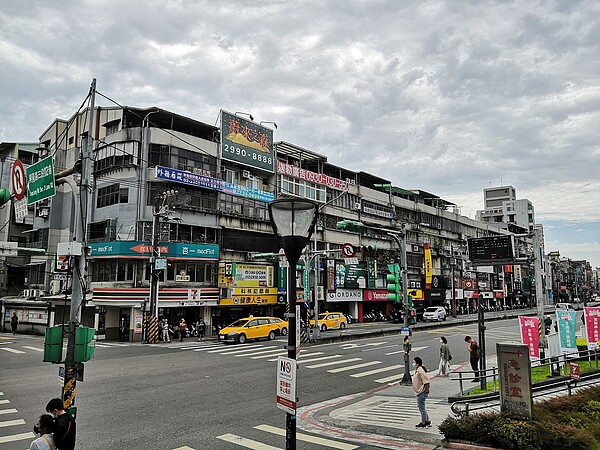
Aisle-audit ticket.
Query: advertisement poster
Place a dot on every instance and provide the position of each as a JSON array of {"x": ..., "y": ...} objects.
[
  {"x": 515, "y": 380},
  {"x": 428, "y": 266},
  {"x": 530, "y": 336},
  {"x": 592, "y": 326},
  {"x": 567, "y": 322},
  {"x": 351, "y": 276}
]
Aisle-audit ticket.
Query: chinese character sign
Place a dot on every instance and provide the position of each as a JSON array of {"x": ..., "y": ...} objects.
[
  {"x": 246, "y": 142},
  {"x": 515, "y": 380},
  {"x": 592, "y": 326},
  {"x": 567, "y": 322},
  {"x": 530, "y": 335}
]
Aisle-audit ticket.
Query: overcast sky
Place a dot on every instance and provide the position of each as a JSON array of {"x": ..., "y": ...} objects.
[{"x": 446, "y": 96}]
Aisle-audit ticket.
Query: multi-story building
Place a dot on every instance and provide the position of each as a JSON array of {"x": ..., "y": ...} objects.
[
  {"x": 503, "y": 209},
  {"x": 222, "y": 258}
]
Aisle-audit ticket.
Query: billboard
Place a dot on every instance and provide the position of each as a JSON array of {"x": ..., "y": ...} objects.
[
  {"x": 246, "y": 142},
  {"x": 491, "y": 249}
]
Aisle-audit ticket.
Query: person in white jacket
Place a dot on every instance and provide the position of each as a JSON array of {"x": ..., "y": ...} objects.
[
  {"x": 445, "y": 357},
  {"x": 44, "y": 427}
]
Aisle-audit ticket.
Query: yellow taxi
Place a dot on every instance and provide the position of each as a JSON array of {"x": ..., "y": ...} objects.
[
  {"x": 253, "y": 328},
  {"x": 330, "y": 320}
]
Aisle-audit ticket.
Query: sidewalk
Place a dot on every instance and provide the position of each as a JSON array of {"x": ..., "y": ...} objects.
[{"x": 387, "y": 416}]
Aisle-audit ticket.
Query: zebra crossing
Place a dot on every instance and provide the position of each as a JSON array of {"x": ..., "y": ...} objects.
[
  {"x": 333, "y": 362},
  {"x": 17, "y": 348},
  {"x": 13, "y": 430}
]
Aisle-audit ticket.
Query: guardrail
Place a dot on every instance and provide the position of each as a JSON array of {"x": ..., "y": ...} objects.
[{"x": 540, "y": 389}]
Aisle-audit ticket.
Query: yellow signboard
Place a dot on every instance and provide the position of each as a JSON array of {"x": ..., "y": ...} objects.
[
  {"x": 249, "y": 300},
  {"x": 246, "y": 275},
  {"x": 416, "y": 294}
]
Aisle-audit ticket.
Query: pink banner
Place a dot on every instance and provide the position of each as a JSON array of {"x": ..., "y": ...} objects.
[
  {"x": 530, "y": 335},
  {"x": 592, "y": 326}
]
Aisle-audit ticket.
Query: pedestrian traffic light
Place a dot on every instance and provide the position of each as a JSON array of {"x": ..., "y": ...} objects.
[
  {"x": 4, "y": 196},
  {"x": 84, "y": 343},
  {"x": 412, "y": 316},
  {"x": 394, "y": 286}
]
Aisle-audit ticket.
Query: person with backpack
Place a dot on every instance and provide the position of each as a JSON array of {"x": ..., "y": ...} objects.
[
  {"x": 474, "y": 355},
  {"x": 64, "y": 425},
  {"x": 420, "y": 382},
  {"x": 445, "y": 357}
]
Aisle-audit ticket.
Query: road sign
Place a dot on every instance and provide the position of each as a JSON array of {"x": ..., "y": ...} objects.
[
  {"x": 40, "y": 181},
  {"x": 286, "y": 384},
  {"x": 8, "y": 248},
  {"x": 348, "y": 250},
  {"x": 18, "y": 179},
  {"x": 21, "y": 209}
]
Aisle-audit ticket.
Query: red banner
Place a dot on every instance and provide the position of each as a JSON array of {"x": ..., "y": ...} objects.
[
  {"x": 530, "y": 335},
  {"x": 592, "y": 326}
]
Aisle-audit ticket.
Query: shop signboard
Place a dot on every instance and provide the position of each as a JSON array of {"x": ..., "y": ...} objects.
[
  {"x": 138, "y": 249},
  {"x": 250, "y": 275},
  {"x": 345, "y": 295},
  {"x": 351, "y": 276},
  {"x": 515, "y": 380}
]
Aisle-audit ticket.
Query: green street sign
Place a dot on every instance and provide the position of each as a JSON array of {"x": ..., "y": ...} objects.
[{"x": 40, "y": 181}]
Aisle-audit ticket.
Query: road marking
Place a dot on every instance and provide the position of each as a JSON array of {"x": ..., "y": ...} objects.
[
  {"x": 248, "y": 443},
  {"x": 226, "y": 350},
  {"x": 373, "y": 372},
  {"x": 8, "y": 411},
  {"x": 301, "y": 355},
  {"x": 333, "y": 363},
  {"x": 16, "y": 437},
  {"x": 270, "y": 355},
  {"x": 35, "y": 349},
  {"x": 308, "y": 438},
  {"x": 185, "y": 447},
  {"x": 322, "y": 358},
  {"x": 11, "y": 423},
  {"x": 371, "y": 344},
  {"x": 414, "y": 349},
  {"x": 4, "y": 402},
  {"x": 260, "y": 352},
  {"x": 396, "y": 377},
  {"x": 12, "y": 350},
  {"x": 379, "y": 348},
  {"x": 356, "y": 366},
  {"x": 102, "y": 345},
  {"x": 248, "y": 350}
]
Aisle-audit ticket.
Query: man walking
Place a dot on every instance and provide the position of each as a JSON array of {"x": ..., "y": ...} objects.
[
  {"x": 201, "y": 326},
  {"x": 420, "y": 382},
  {"x": 474, "y": 355},
  {"x": 14, "y": 323}
]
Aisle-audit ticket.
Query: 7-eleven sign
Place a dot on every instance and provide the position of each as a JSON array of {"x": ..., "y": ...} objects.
[{"x": 193, "y": 295}]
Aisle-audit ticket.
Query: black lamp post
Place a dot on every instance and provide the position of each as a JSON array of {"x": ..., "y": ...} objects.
[{"x": 293, "y": 220}]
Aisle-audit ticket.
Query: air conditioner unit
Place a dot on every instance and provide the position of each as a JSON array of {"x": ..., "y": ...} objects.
[
  {"x": 245, "y": 174},
  {"x": 320, "y": 293},
  {"x": 356, "y": 206},
  {"x": 55, "y": 287}
]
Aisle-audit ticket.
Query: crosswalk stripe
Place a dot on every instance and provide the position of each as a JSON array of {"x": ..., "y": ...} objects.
[
  {"x": 270, "y": 355},
  {"x": 102, "y": 345},
  {"x": 356, "y": 366},
  {"x": 308, "y": 438},
  {"x": 374, "y": 371},
  {"x": 4, "y": 402},
  {"x": 244, "y": 442},
  {"x": 333, "y": 363},
  {"x": 233, "y": 350},
  {"x": 277, "y": 350},
  {"x": 396, "y": 377},
  {"x": 8, "y": 411},
  {"x": 249, "y": 350},
  {"x": 414, "y": 349},
  {"x": 185, "y": 447},
  {"x": 11, "y": 350},
  {"x": 300, "y": 356},
  {"x": 320, "y": 358},
  {"x": 16, "y": 437},
  {"x": 10, "y": 423},
  {"x": 35, "y": 349}
]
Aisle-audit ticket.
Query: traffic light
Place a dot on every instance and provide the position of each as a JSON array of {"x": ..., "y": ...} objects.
[
  {"x": 412, "y": 316},
  {"x": 394, "y": 286},
  {"x": 350, "y": 225},
  {"x": 4, "y": 196},
  {"x": 53, "y": 344},
  {"x": 84, "y": 343}
]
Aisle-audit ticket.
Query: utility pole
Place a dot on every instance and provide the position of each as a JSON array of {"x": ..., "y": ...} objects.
[
  {"x": 539, "y": 288},
  {"x": 157, "y": 265},
  {"x": 79, "y": 286}
]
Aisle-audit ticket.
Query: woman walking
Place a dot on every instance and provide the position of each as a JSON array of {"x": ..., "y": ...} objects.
[{"x": 445, "y": 357}]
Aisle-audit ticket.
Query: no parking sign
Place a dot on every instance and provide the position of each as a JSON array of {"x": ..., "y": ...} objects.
[{"x": 286, "y": 384}]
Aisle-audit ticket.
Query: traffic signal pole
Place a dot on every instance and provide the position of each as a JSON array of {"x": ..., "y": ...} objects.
[{"x": 79, "y": 285}]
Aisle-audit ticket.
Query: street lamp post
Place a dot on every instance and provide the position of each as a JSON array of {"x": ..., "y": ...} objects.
[{"x": 293, "y": 220}]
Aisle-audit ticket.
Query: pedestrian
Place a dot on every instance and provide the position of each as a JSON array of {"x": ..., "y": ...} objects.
[
  {"x": 182, "y": 326},
  {"x": 474, "y": 355},
  {"x": 14, "y": 323},
  {"x": 201, "y": 327},
  {"x": 445, "y": 357},
  {"x": 64, "y": 425},
  {"x": 44, "y": 428},
  {"x": 420, "y": 382},
  {"x": 165, "y": 331}
]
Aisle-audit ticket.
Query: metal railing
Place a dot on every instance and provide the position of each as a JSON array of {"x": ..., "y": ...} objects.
[{"x": 543, "y": 389}]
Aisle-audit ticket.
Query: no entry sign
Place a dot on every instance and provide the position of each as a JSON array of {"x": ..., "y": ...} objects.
[{"x": 18, "y": 179}]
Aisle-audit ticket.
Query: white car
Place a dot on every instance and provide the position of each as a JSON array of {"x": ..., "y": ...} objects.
[{"x": 437, "y": 313}]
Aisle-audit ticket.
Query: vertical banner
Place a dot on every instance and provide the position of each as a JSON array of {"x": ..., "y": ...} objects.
[
  {"x": 428, "y": 266},
  {"x": 592, "y": 326},
  {"x": 567, "y": 322},
  {"x": 530, "y": 336},
  {"x": 282, "y": 279},
  {"x": 306, "y": 283},
  {"x": 331, "y": 275}
]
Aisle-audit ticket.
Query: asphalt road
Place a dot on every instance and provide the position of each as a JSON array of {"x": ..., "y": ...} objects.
[{"x": 207, "y": 395}]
